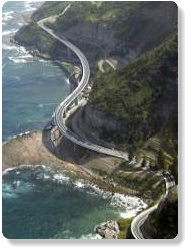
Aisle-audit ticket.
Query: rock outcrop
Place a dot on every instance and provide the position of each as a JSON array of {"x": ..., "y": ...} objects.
[
  {"x": 98, "y": 127},
  {"x": 108, "y": 230}
]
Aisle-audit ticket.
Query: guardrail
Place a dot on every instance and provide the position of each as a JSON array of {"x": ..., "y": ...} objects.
[{"x": 61, "y": 109}]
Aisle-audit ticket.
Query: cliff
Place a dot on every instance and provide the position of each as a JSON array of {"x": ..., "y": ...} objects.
[
  {"x": 163, "y": 223},
  {"x": 120, "y": 29},
  {"x": 128, "y": 106}
]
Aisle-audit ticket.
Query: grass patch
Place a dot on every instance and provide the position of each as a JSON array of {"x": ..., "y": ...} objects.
[{"x": 125, "y": 228}]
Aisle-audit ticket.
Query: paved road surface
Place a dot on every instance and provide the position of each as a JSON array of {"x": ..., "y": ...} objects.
[
  {"x": 137, "y": 223},
  {"x": 59, "y": 114},
  {"x": 61, "y": 109}
]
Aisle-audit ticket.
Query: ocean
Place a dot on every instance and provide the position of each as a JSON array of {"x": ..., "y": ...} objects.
[
  {"x": 40, "y": 202},
  {"x": 31, "y": 87}
]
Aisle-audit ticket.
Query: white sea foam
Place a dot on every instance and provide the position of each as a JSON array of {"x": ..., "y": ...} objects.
[
  {"x": 47, "y": 104},
  {"x": 79, "y": 184},
  {"x": 19, "y": 59},
  {"x": 16, "y": 60},
  {"x": 22, "y": 166},
  {"x": 8, "y": 47},
  {"x": 29, "y": 7},
  {"x": 91, "y": 236},
  {"x": 129, "y": 204},
  {"x": 25, "y": 56},
  {"x": 4, "y": 65},
  {"x": 67, "y": 81},
  {"x": 19, "y": 49},
  {"x": 6, "y": 16},
  {"x": 8, "y": 32},
  {"x": 7, "y": 170},
  {"x": 9, "y": 194},
  {"x": 22, "y": 49},
  {"x": 46, "y": 177},
  {"x": 53, "y": 75},
  {"x": 60, "y": 178}
]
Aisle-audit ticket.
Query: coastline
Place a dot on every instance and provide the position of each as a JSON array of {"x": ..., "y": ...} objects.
[
  {"x": 41, "y": 156},
  {"x": 130, "y": 205},
  {"x": 28, "y": 149}
]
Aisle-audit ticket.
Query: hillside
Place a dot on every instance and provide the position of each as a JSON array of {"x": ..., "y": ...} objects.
[
  {"x": 136, "y": 102},
  {"x": 120, "y": 29},
  {"x": 139, "y": 100},
  {"x": 160, "y": 228},
  {"x": 133, "y": 107}
]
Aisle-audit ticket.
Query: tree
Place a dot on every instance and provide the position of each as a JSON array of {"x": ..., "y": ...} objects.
[
  {"x": 131, "y": 154},
  {"x": 174, "y": 169},
  {"x": 161, "y": 159},
  {"x": 143, "y": 163}
]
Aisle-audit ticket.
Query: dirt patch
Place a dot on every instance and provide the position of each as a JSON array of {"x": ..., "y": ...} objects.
[{"x": 36, "y": 148}]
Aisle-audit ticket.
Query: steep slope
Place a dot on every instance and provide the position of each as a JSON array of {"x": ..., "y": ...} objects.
[
  {"x": 140, "y": 100},
  {"x": 163, "y": 223},
  {"x": 121, "y": 29},
  {"x": 130, "y": 105}
]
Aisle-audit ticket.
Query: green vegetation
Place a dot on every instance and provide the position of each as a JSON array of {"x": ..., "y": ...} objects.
[
  {"x": 132, "y": 22},
  {"x": 136, "y": 26},
  {"x": 100, "y": 172},
  {"x": 141, "y": 181},
  {"x": 174, "y": 169},
  {"x": 167, "y": 228},
  {"x": 143, "y": 95},
  {"x": 125, "y": 229},
  {"x": 161, "y": 159},
  {"x": 49, "y": 8},
  {"x": 89, "y": 12},
  {"x": 34, "y": 38}
]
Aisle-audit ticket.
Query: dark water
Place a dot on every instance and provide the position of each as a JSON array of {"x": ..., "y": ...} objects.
[
  {"x": 32, "y": 88},
  {"x": 40, "y": 202}
]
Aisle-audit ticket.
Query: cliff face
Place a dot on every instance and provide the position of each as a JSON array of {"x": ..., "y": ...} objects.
[
  {"x": 127, "y": 106},
  {"x": 120, "y": 29},
  {"x": 97, "y": 126}
]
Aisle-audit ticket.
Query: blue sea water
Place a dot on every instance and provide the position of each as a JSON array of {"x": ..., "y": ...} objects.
[
  {"x": 39, "y": 202},
  {"x": 42, "y": 203},
  {"x": 31, "y": 87}
]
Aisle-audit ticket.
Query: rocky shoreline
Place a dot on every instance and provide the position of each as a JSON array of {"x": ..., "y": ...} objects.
[
  {"x": 108, "y": 230},
  {"x": 30, "y": 148}
]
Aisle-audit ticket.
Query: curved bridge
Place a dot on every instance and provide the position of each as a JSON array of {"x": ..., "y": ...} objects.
[
  {"x": 60, "y": 118},
  {"x": 61, "y": 110},
  {"x": 137, "y": 228}
]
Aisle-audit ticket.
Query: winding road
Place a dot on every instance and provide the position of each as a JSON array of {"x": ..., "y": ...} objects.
[
  {"x": 60, "y": 121},
  {"x": 61, "y": 110},
  {"x": 137, "y": 228}
]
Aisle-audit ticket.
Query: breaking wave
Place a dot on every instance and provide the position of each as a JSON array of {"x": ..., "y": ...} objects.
[
  {"x": 9, "y": 32},
  {"x": 6, "y": 16},
  {"x": 128, "y": 205}
]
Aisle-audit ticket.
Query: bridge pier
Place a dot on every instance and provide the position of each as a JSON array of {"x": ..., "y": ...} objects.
[
  {"x": 68, "y": 54},
  {"x": 76, "y": 101},
  {"x": 64, "y": 113}
]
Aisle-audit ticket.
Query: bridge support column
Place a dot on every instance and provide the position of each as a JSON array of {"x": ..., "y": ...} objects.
[
  {"x": 76, "y": 101},
  {"x": 68, "y": 54},
  {"x": 64, "y": 113}
]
